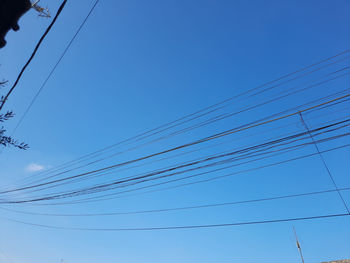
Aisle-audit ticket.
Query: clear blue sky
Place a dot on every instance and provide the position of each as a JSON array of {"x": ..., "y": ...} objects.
[{"x": 138, "y": 64}]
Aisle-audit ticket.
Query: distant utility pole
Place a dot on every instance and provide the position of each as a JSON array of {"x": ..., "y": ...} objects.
[{"x": 298, "y": 245}]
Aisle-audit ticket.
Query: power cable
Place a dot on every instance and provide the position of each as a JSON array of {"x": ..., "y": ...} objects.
[
  {"x": 215, "y": 145},
  {"x": 107, "y": 196},
  {"x": 324, "y": 163},
  {"x": 204, "y": 109},
  {"x": 181, "y": 227},
  {"x": 170, "y": 169},
  {"x": 179, "y": 208},
  {"x": 272, "y": 116},
  {"x": 54, "y": 68},
  {"x": 33, "y": 54},
  {"x": 210, "y": 179},
  {"x": 215, "y": 136}
]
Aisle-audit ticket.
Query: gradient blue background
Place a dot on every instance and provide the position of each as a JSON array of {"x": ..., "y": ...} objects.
[{"x": 138, "y": 64}]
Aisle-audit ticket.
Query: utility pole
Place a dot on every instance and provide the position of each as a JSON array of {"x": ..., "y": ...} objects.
[{"x": 298, "y": 245}]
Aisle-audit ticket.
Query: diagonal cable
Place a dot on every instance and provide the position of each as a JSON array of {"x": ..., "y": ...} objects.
[
  {"x": 324, "y": 163},
  {"x": 33, "y": 54}
]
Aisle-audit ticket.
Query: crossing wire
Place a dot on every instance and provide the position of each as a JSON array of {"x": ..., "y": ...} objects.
[
  {"x": 324, "y": 163},
  {"x": 173, "y": 123},
  {"x": 105, "y": 173},
  {"x": 295, "y": 108},
  {"x": 213, "y": 178},
  {"x": 218, "y": 135},
  {"x": 108, "y": 196},
  {"x": 161, "y": 210}
]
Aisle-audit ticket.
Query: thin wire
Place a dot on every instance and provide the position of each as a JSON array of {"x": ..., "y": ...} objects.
[
  {"x": 324, "y": 163},
  {"x": 172, "y": 169},
  {"x": 105, "y": 197},
  {"x": 225, "y": 133},
  {"x": 6, "y": 256},
  {"x": 180, "y": 227},
  {"x": 108, "y": 173},
  {"x": 54, "y": 68},
  {"x": 178, "y": 208},
  {"x": 210, "y": 179},
  {"x": 199, "y": 111},
  {"x": 69, "y": 194},
  {"x": 33, "y": 54},
  {"x": 108, "y": 157},
  {"x": 143, "y": 179},
  {"x": 156, "y": 170},
  {"x": 295, "y": 108}
]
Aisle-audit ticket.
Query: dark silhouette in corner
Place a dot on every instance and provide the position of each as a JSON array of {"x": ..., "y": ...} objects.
[{"x": 10, "y": 12}]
